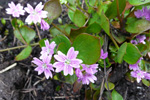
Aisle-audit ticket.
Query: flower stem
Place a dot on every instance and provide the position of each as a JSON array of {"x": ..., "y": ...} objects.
[
  {"x": 60, "y": 30},
  {"x": 22, "y": 37},
  {"x": 23, "y": 46},
  {"x": 111, "y": 37},
  {"x": 38, "y": 31},
  {"x": 118, "y": 13}
]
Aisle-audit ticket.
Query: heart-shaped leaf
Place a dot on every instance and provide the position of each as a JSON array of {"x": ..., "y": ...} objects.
[
  {"x": 24, "y": 53},
  {"x": 88, "y": 47}
]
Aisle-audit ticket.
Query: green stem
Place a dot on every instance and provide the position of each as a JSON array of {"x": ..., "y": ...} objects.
[
  {"x": 22, "y": 37},
  {"x": 23, "y": 46},
  {"x": 111, "y": 37},
  {"x": 38, "y": 31},
  {"x": 70, "y": 7},
  {"x": 118, "y": 13},
  {"x": 60, "y": 30}
]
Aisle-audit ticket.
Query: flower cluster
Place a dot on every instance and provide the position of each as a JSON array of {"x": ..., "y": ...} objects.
[
  {"x": 144, "y": 13},
  {"x": 139, "y": 39},
  {"x": 86, "y": 74},
  {"x": 66, "y": 63},
  {"x": 35, "y": 15},
  {"x": 137, "y": 72},
  {"x": 43, "y": 63}
]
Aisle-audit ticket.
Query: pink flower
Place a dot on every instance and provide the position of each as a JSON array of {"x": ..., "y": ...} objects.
[
  {"x": 35, "y": 15},
  {"x": 49, "y": 49},
  {"x": 44, "y": 25},
  {"x": 44, "y": 66},
  {"x": 90, "y": 68},
  {"x": 134, "y": 67},
  {"x": 103, "y": 55},
  {"x": 147, "y": 76},
  {"x": 15, "y": 10},
  {"x": 85, "y": 77},
  {"x": 134, "y": 42},
  {"x": 67, "y": 62},
  {"x": 141, "y": 38},
  {"x": 138, "y": 75}
]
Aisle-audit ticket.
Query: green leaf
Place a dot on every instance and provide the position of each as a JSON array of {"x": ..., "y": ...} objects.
[
  {"x": 72, "y": 2},
  {"x": 138, "y": 2},
  {"x": 145, "y": 82},
  {"x": 105, "y": 23},
  {"x": 121, "y": 52},
  {"x": 132, "y": 54},
  {"x": 27, "y": 33},
  {"x": 75, "y": 32},
  {"x": 112, "y": 10},
  {"x": 95, "y": 86},
  {"x": 70, "y": 79},
  {"x": 71, "y": 13},
  {"x": 119, "y": 37},
  {"x": 90, "y": 2},
  {"x": 137, "y": 26},
  {"x": 63, "y": 42},
  {"x": 88, "y": 47},
  {"x": 96, "y": 95},
  {"x": 79, "y": 18},
  {"x": 93, "y": 28},
  {"x": 24, "y": 53},
  {"x": 42, "y": 43},
  {"x": 65, "y": 28},
  {"x": 110, "y": 85},
  {"x": 53, "y": 8},
  {"x": 116, "y": 95}
]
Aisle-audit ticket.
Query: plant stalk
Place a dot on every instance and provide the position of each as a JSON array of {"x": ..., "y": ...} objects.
[
  {"x": 23, "y": 46},
  {"x": 38, "y": 31},
  {"x": 118, "y": 13},
  {"x": 60, "y": 30}
]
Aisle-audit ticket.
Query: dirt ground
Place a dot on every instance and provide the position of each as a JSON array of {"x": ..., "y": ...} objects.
[{"x": 23, "y": 83}]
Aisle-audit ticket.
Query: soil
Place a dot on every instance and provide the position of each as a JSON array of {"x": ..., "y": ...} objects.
[{"x": 23, "y": 83}]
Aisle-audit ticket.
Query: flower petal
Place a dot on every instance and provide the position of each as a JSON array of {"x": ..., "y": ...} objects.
[
  {"x": 71, "y": 53},
  {"x": 60, "y": 57}
]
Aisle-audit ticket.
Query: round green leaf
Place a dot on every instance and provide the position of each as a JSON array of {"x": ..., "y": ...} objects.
[
  {"x": 132, "y": 54},
  {"x": 70, "y": 79},
  {"x": 116, "y": 95},
  {"x": 53, "y": 8},
  {"x": 24, "y": 53},
  {"x": 88, "y": 47},
  {"x": 138, "y": 2},
  {"x": 27, "y": 33},
  {"x": 93, "y": 28},
  {"x": 137, "y": 26},
  {"x": 63, "y": 43},
  {"x": 79, "y": 18}
]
